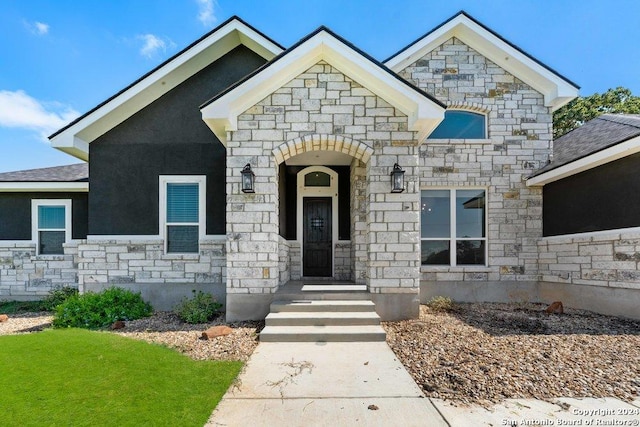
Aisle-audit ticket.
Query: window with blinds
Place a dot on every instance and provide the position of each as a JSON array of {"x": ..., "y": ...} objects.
[
  {"x": 182, "y": 217},
  {"x": 51, "y": 225}
]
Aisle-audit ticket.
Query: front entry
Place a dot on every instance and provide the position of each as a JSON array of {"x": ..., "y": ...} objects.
[{"x": 317, "y": 241}]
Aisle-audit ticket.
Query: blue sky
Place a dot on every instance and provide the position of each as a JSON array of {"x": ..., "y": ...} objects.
[{"x": 60, "y": 58}]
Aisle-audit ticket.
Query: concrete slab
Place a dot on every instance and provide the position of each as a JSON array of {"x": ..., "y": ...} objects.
[
  {"x": 334, "y": 288},
  {"x": 313, "y": 384},
  {"x": 406, "y": 412},
  {"x": 563, "y": 411}
]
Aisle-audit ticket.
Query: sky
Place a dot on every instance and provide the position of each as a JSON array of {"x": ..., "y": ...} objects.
[{"x": 60, "y": 58}]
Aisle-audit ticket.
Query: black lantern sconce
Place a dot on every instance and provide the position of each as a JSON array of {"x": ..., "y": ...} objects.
[
  {"x": 397, "y": 179},
  {"x": 248, "y": 179}
]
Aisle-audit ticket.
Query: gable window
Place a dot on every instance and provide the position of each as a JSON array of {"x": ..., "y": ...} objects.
[
  {"x": 460, "y": 125},
  {"x": 453, "y": 227},
  {"x": 51, "y": 225},
  {"x": 182, "y": 212}
]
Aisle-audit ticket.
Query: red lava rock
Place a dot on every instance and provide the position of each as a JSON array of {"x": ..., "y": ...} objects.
[
  {"x": 556, "y": 307},
  {"x": 119, "y": 324},
  {"x": 3, "y": 317},
  {"x": 216, "y": 331}
]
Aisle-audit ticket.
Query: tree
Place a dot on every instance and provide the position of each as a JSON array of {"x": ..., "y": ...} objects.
[{"x": 583, "y": 109}]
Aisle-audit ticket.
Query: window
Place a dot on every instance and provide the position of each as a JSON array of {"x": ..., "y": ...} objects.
[
  {"x": 460, "y": 125},
  {"x": 453, "y": 219},
  {"x": 182, "y": 212},
  {"x": 317, "y": 179},
  {"x": 51, "y": 225}
]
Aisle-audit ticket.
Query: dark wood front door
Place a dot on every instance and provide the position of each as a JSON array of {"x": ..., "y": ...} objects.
[{"x": 316, "y": 241}]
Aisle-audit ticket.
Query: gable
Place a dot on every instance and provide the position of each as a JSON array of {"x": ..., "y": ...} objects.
[
  {"x": 75, "y": 138},
  {"x": 556, "y": 89},
  {"x": 424, "y": 111}
]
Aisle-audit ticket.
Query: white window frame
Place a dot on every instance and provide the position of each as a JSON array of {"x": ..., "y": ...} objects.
[
  {"x": 201, "y": 180},
  {"x": 453, "y": 228},
  {"x": 35, "y": 227}
]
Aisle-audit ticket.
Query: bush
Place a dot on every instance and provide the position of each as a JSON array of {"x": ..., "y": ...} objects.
[
  {"x": 58, "y": 296},
  {"x": 97, "y": 310},
  {"x": 199, "y": 309},
  {"x": 441, "y": 304}
]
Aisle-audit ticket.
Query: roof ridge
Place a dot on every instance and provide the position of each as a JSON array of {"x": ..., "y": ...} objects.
[{"x": 624, "y": 119}]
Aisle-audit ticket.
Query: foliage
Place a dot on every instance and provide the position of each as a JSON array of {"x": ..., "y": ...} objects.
[
  {"x": 441, "y": 304},
  {"x": 199, "y": 309},
  {"x": 87, "y": 378},
  {"x": 97, "y": 310},
  {"x": 583, "y": 109},
  {"x": 58, "y": 296},
  {"x": 13, "y": 307}
]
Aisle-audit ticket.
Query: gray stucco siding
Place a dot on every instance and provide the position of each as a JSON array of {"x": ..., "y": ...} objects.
[
  {"x": 168, "y": 137},
  {"x": 15, "y": 214}
]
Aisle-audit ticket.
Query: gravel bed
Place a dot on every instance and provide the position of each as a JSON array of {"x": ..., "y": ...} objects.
[
  {"x": 166, "y": 329},
  {"x": 484, "y": 353}
]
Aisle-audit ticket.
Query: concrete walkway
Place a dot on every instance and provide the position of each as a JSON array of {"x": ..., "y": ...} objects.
[{"x": 350, "y": 384}]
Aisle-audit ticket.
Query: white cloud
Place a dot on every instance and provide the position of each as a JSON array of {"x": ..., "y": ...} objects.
[
  {"x": 206, "y": 12},
  {"x": 19, "y": 110},
  {"x": 37, "y": 28},
  {"x": 152, "y": 44}
]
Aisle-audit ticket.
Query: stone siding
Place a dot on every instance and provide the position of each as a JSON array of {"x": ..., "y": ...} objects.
[
  {"x": 120, "y": 262},
  {"x": 608, "y": 259},
  {"x": 519, "y": 129},
  {"x": 342, "y": 260},
  {"x": 329, "y": 105},
  {"x": 24, "y": 274}
]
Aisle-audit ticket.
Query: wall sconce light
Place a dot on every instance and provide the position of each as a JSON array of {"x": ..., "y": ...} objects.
[
  {"x": 248, "y": 179},
  {"x": 397, "y": 179}
]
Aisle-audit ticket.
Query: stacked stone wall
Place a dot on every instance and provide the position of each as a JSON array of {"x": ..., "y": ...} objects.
[
  {"x": 122, "y": 262},
  {"x": 519, "y": 134},
  {"x": 24, "y": 274},
  {"x": 607, "y": 259}
]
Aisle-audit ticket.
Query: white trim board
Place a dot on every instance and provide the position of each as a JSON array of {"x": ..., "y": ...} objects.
[
  {"x": 557, "y": 91},
  {"x": 589, "y": 234},
  {"x": 616, "y": 152},
  {"x": 75, "y": 139},
  {"x": 20, "y": 187}
]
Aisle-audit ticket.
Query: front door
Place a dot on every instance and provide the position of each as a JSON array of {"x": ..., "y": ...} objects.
[{"x": 316, "y": 242}]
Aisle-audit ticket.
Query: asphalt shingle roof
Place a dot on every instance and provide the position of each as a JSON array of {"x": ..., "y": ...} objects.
[
  {"x": 595, "y": 135},
  {"x": 71, "y": 173}
]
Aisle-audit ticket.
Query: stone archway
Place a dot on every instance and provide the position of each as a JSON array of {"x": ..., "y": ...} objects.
[{"x": 323, "y": 142}]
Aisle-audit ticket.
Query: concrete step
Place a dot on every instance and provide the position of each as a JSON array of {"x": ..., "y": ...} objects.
[
  {"x": 334, "y": 288},
  {"x": 361, "y": 333},
  {"x": 311, "y": 318},
  {"x": 304, "y": 305}
]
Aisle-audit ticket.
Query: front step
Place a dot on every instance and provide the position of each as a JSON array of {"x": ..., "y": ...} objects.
[
  {"x": 315, "y": 318},
  {"x": 323, "y": 306},
  {"x": 361, "y": 333}
]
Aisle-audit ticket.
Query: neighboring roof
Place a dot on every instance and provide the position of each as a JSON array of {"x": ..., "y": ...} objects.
[
  {"x": 557, "y": 90},
  {"x": 58, "y": 178},
  {"x": 601, "y": 140},
  {"x": 424, "y": 111},
  {"x": 75, "y": 137}
]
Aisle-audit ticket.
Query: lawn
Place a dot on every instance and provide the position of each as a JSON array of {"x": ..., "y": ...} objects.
[{"x": 77, "y": 377}]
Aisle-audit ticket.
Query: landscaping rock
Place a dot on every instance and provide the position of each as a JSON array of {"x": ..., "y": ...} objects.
[
  {"x": 118, "y": 324},
  {"x": 3, "y": 317},
  {"x": 216, "y": 331},
  {"x": 556, "y": 307}
]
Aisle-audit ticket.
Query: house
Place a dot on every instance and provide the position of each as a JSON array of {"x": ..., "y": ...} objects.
[{"x": 238, "y": 165}]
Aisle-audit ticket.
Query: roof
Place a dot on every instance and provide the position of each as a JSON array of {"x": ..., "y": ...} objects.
[
  {"x": 557, "y": 89},
  {"x": 221, "y": 112},
  {"x": 69, "y": 178},
  {"x": 75, "y": 137},
  {"x": 598, "y": 141},
  {"x": 78, "y": 172}
]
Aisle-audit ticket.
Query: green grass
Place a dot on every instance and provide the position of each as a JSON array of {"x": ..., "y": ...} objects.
[
  {"x": 84, "y": 378},
  {"x": 13, "y": 307}
]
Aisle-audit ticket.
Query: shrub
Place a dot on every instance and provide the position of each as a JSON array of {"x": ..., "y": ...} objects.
[
  {"x": 97, "y": 310},
  {"x": 441, "y": 304},
  {"x": 57, "y": 296},
  {"x": 199, "y": 309}
]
